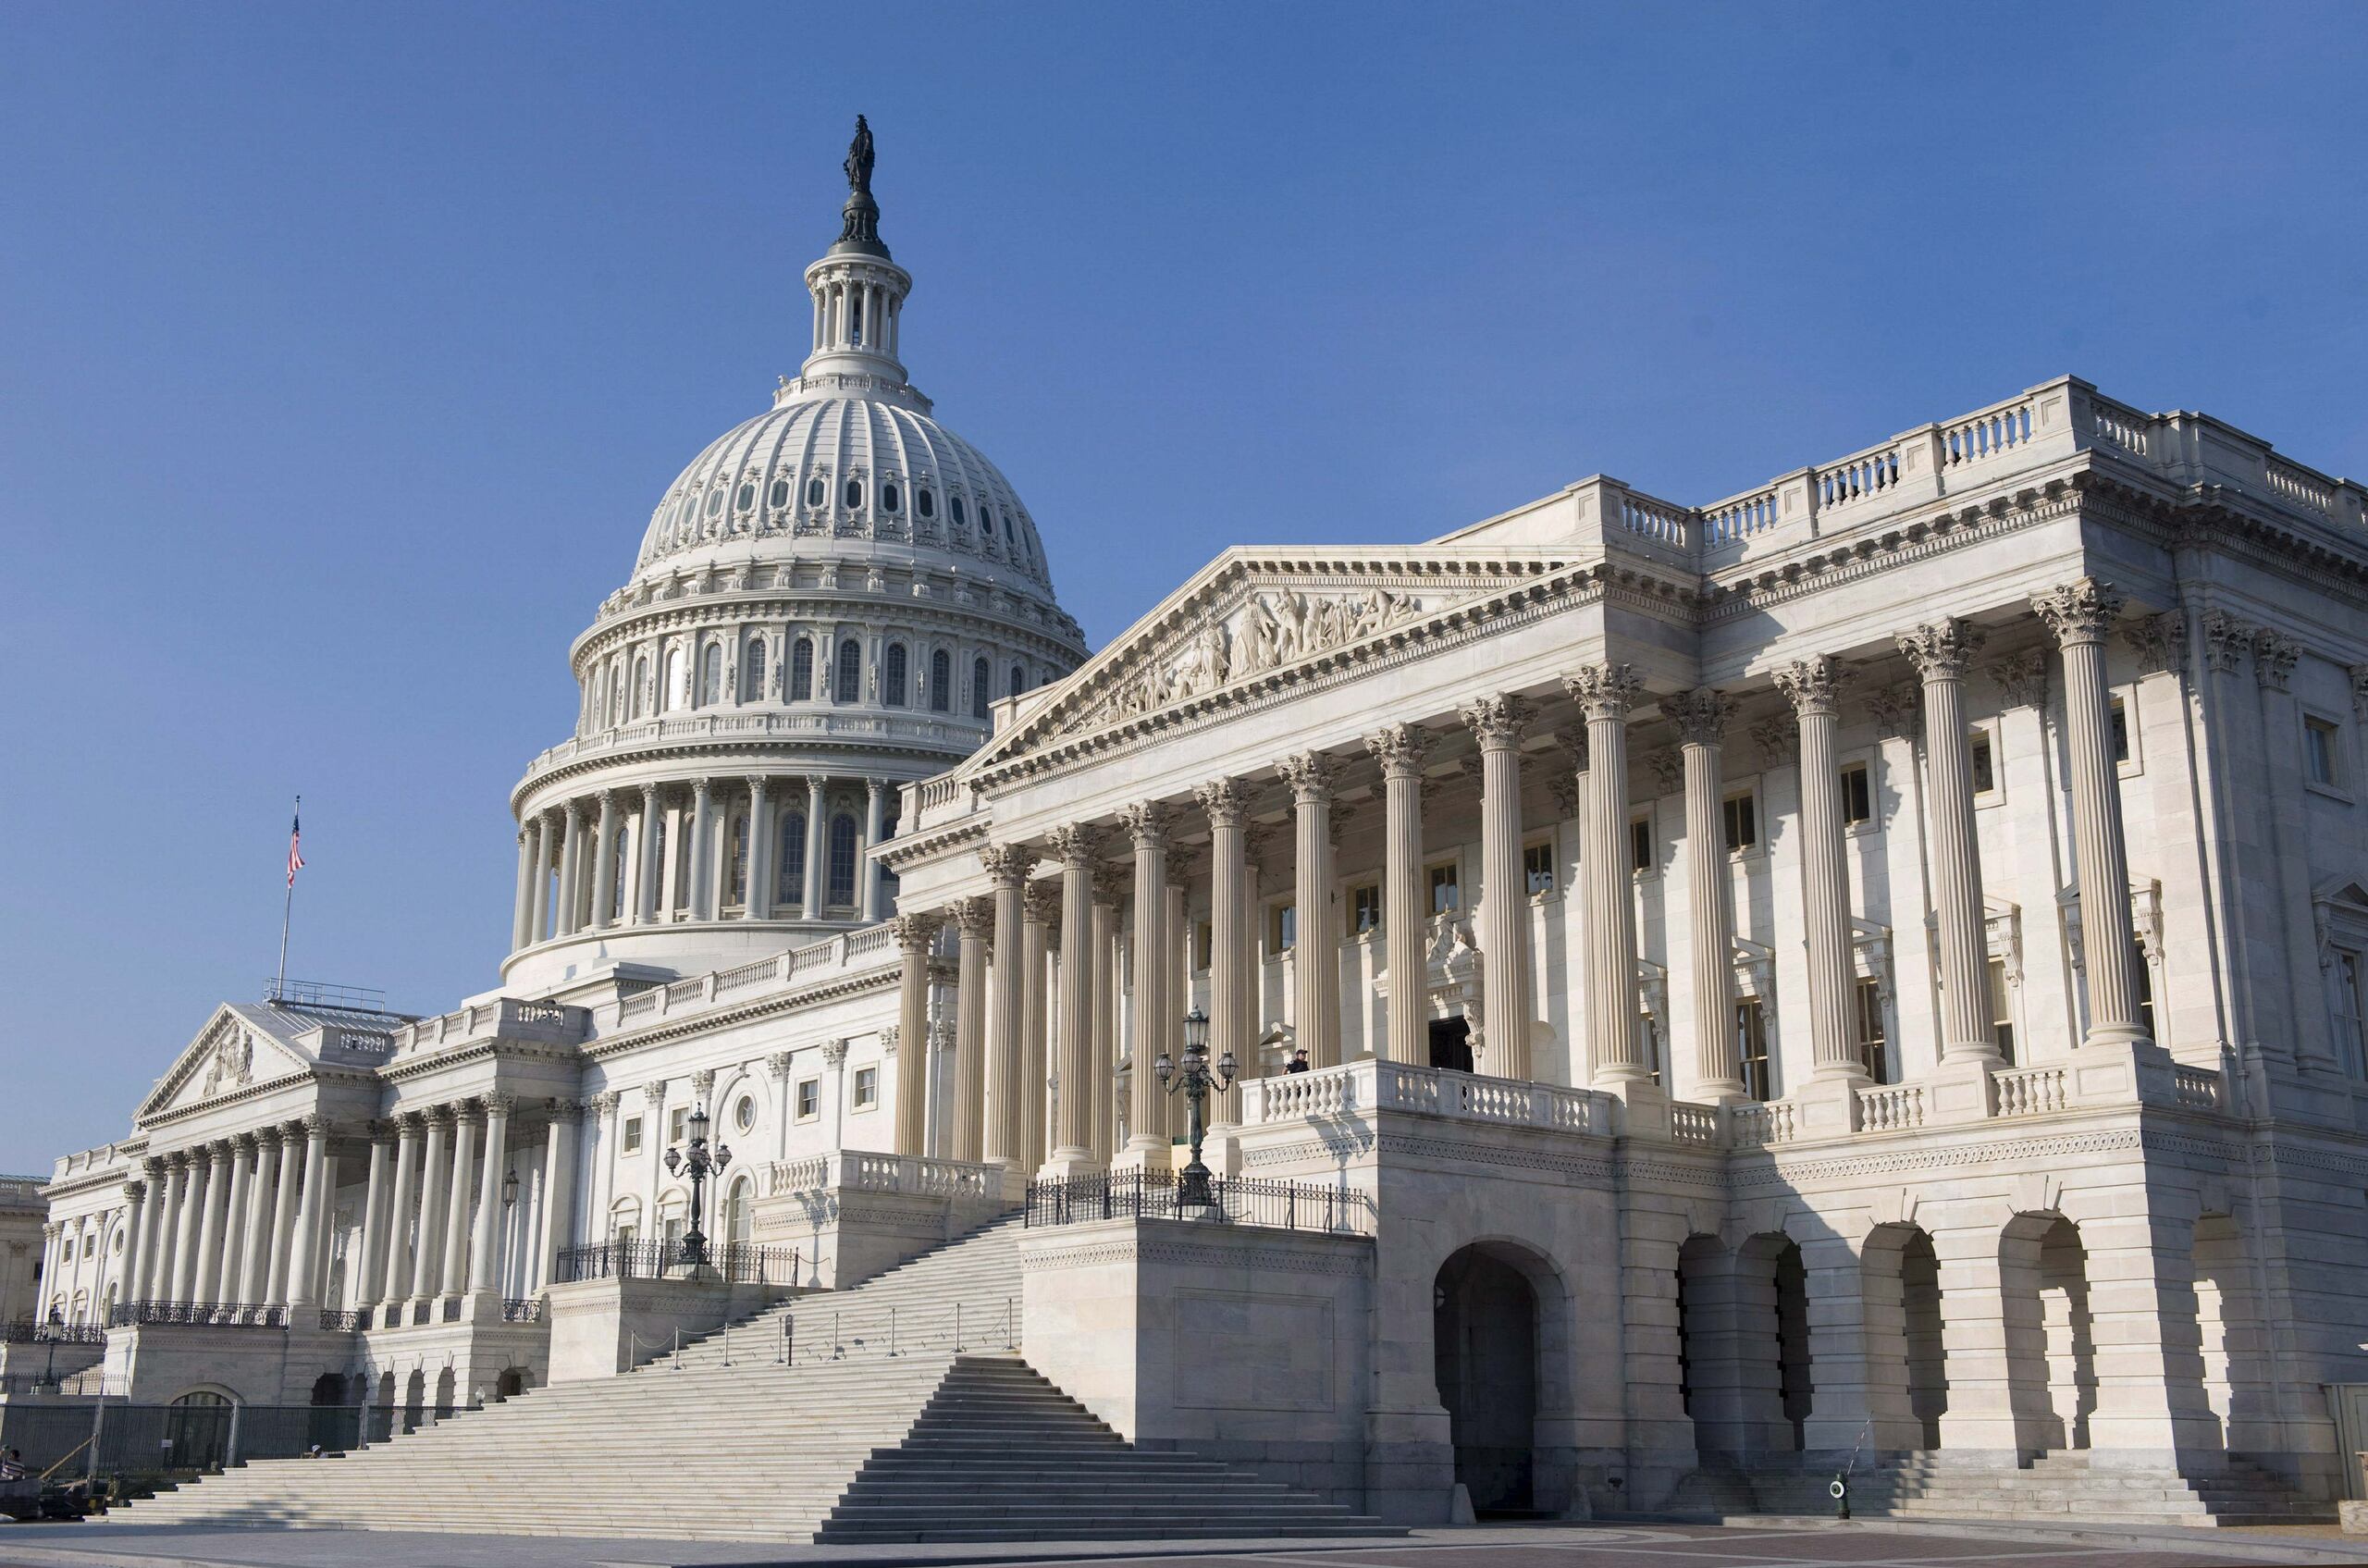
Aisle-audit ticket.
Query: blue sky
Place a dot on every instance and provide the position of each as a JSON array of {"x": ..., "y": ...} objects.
[{"x": 343, "y": 352}]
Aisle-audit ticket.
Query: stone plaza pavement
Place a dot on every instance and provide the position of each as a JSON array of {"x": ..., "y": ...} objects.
[{"x": 1770, "y": 1544}]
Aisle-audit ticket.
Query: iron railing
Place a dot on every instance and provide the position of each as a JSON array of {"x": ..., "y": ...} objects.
[
  {"x": 202, "y": 1315},
  {"x": 1156, "y": 1194},
  {"x": 30, "y": 1333},
  {"x": 346, "y": 1322},
  {"x": 819, "y": 1332},
  {"x": 526, "y": 1310},
  {"x": 737, "y": 1263}
]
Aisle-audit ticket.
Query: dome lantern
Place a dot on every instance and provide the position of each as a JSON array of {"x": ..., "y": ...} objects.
[{"x": 858, "y": 291}]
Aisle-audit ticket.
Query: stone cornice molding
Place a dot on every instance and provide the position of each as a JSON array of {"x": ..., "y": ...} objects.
[{"x": 667, "y": 1031}]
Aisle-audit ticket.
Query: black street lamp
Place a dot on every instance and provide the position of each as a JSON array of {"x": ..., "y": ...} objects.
[
  {"x": 1194, "y": 1079},
  {"x": 700, "y": 1164}
]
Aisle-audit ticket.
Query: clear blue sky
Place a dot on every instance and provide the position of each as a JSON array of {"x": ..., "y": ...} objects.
[{"x": 344, "y": 351}]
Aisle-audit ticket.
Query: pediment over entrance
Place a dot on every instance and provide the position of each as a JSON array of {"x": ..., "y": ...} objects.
[{"x": 233, "y": 1053}]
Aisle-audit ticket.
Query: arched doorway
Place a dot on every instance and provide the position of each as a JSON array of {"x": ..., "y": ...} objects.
[
  {"x": 2051, "y": 1347},
  {"x": 1485, "y": 1341},
  {"x": 1743, "y": 1374},
  {"x": 511, "y": 1384},
  {"x": 197, "y": 1431}
]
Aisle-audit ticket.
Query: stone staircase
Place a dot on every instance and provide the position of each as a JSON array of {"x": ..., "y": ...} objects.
[
  {"x": 897, "y": 1410},
  {"x": 2053, "y": 1487}
]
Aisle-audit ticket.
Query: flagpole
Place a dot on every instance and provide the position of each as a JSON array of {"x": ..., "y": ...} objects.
[{"x": 287, "y": 906}]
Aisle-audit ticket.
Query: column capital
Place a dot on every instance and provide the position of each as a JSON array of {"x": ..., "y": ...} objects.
[
  {"x": 777, "y": 1065},
  {"x": 654, "y": 1092},
  {"x": 702, "y": 1084},
  {"x": 440, "y": 1116},
  {"x": 757, "y": 783},
  {"x": 816, "y": 783},
  {"x": 2081, "y": 610},
  {"x": 877, "y": 786},
  {"x": 154, "y": 1165},
  {"x": 1942, "y": 650},
  {"x": 975, "y": 918},
  {"x": 1700, "y": 715},
  {"x": 499, "y": 1104},
  {"x": 1148, "y": 822},
  {"x": 1400, "y": 749},
  {"x": 604, "y": 1103},
  {"x": 1497, "y": 718},
  {"x": 1604, "y": 691},
  {"x": 914, "y": 932},
  {"x": 1041, "y": 903},
  {"x": 1179, "y": 862},
  {"x": 1227, "y": 801},
  {"x": 1809, "y": 685},
  {"x": 1006, "y": 863},
  {"x": 134, "y": 1193},
  {"x": 1669, "y": 769},
  {"x": 702, "y": 788},
  {"x": 835, "y": 1052},
  {"x": 649, "y": 796},
  {"x": 314, "y": 1124},
  {"x": 1073, "y": 846},
  {"x": 1109, "y": 882},
  {"x": 1572, "y": 739},
  {"x": 471, "y": 1111},
  {"x": 2023, "y": 677},
  {"x": 1312, "y": 775},
  {"x": 1897, "y": 710},
  {"x": 2273, "y": 657},
  {"x": 242, "y": 1142}
]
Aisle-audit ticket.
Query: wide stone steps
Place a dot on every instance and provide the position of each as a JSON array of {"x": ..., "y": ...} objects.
[{"x": 2053, "y": 1487}]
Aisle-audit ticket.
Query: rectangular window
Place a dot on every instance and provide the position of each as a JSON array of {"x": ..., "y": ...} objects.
[
  {"x": 1364, "y": 909},
  {"x": 1282, "y": 927},
  {"x": 632, "y": 1135},
  {"x": 810, "y": 1099},
  {"x": 1739, "y": 814},
  {"x": 1446, "y": 895},
  {"x": 1640, "y": 844},
  {"x": 1538, "y": 867},
  {"x": 867, "y": 1088},
  {"x": 2351, "y": 1012},
  {"x": 1858, "y": 794},
  {"x": 1205, "y": 942},
  {"x": 2120, "y": 730},
  {"x": 1874, "y": 1049},
  {"x": 676, "y": 1121},
  {"x": 2142, "y": 976},
  {"x": 1751, "y": 1047},
  {"x": 1985, "y": 766},
  {"x": 2002, "y": 1016},
  {"x": 2320, "y": 755}
]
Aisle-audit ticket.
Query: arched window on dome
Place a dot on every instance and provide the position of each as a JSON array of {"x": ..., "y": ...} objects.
[
  {"x": 735, "y": 861},
  {"x": 925, "y": 501},
  {"x": 682, "y": 841},
  {"x": 854, "y": 495},
  {"x": 889, "y": 498},
  {"x": 777, "y": 494},
  {"x": 620, "y": 860},
  {"x": 789, "y": 880},
  {"x": 892, "y": 676},
  {"x": 848, "y": 677},
  {"x": 1018, "y": 679},
  {"x": 979, "y": 696},
  {"x": 986, "y": 525},
  {"x": 715, "y": 502},
  {"x": 960, "y": 518},
  {"x": 746, "y": 497},
  {"x": 752, "y": 672},
  {"x": 816, "y": 492},
  {"x": 843, "y": 860},
  {"x": 678, "y": 680},
  {"x": 801, "y": 669},
  {"x": 640, "y": 684},
  {"x": 941, "y": 682},
  {"x": 658, "y": 857},
  {"x": 711, "y": 676}
]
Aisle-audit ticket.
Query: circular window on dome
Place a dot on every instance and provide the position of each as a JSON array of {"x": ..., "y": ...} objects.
[
  {"x": 815, "y": 492},
  {"x": 889, "y": 498},
  {"x": 779, "y": 494},
  {"x": 745, "y": 499},
  {"x": 744, "y": 1115},
  {"x": 855, "y": 493},
  {"x": 958, "y": 517},
  {"x": 925, "y": 501},
  {"x": 714, "y": 501}
]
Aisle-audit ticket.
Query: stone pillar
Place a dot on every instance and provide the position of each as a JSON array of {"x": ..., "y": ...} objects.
[
  {"x": 1176, "y": 927},
  {"x": 1150, "y": 825},
  {"x": 453, "y": 1269},
  {"x": 1604, "y": 693},
  {"x": 187, "y": 1195},
  {"x": 1700, "y": 718},
  {"x": 211, "y": 1208},
  {"x": 1315, "y": 964},
  {"x": 2080, "y": 613},
  {"x": 303, "y": 1270},
  {"x": 1006, "y": 1140},
  {"x": 152, "y": 1237},
  {"x": 544, "y": 851},
  {"x": 366, "y": 1273},
  {"x": 234, "y": 1217},
  {"x": 397, "y": 1266},
  {"x": 974, "y": 919},
  {"x": 1941, "y": 652},
  {"x": 522, "y": 920},
  {"x": 289, "y": 1177},
  {"x": 1400, "y": 749},
  {"x": 702, "y": 894},
  {"x": 485, "y": 1257},
  {"x": 570, "y": 857},
  {"x": 874, "y": 901},
  {"x": 756, "y": 895},
  {"x": 1506, "y": 1005},
  {"x": 1232, "y": 980},
  {"x": 1040, "y": 903},
  {"x": 1977, "y": 1343},
  {"x": 559, "y": 1191},
  {"x": 604, "y": 865},
  {"x": 434, "y": 1177},
  {"x": 1825, "y": 874},
  {"x": 1104, "y": 1079},
  {"x": 1073, "y": 1140},
  {"x": 818, "y": 843},
  {"x": 649, "y": 873},
  {"x": 250, "y": 1283},
  {"x": 915, "y": 935},
  {"x": 2140, "y": 1270},
  {"x": 135, "y": 1243}
]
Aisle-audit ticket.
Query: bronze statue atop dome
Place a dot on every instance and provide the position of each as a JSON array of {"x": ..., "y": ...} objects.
[
  {"x": 858, "y": 164},
  {"x": 860, "y": 230}
]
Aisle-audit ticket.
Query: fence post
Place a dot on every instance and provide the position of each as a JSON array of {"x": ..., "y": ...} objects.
[
  {"x": 362, "y": 1424},
  {"x": 98, "y": 1425},
  {"x": 230, "y": 1445},
  {"x": 957, "y": 1328},
  {"x": 892, "y": 1330}
]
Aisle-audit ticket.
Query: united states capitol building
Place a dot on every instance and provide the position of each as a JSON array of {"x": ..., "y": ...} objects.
[{"x": 1864, "y": 971}]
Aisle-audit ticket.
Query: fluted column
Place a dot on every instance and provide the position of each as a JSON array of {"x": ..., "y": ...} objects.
[
  {"x": 1605, "y": 693},
  {"x": 974, "y": 920},
  {"x": 521, "y": 918},
  {"x": 1809, "y": 683},
  {"x": 187, "y": 1176},
  {"x": 569, "y": 919},
  {"x": 649, "y": 873},
  {"x": 1496, "y": 723},
  {"x": 212, "y": 1206},
  {"x": 1150, "y": 825},
  {"x": 702, "y": 894},
  {"x": 604, "y": 865},
  {"x": 545, "y": 850},
  {"x": 1104, "y": 1081},
  {"x": 1400, "y": 749},
  {"x": 427, "y": 1248},
  {"x": 1315, "y": 965},
  {"x": 399, "y": 1266},
  {"x": 872, "y": 899},
  {"x": 915, "y": 933},
  {"x": 817, "y": 844},
  {"x": 234, "y": 1217},
  {"x": 1073, "y": 1140},
  {"x": 1231, "y": 979},
  {"x": 1700, "y": 718},
  {"x": 288, "y": 1177},
  {"x": 2080, "y": 613},
  {"x": 366, "y": 1274},
  {"x": 756, "y": 895},
  {"x": 1941, "y": 652},
  {"x": 303, "y": 1284},
  {"x": 485, "y": 1255},
  {"x": 558, "y": 1189},
  {"x": 1006, "y": 1140},
  {"x": 143, "y": 1274},
  {"x": 453, "y": 1268},
  {"x": 1041, "y": 904},
  {"x": 1176, "y": 927},
  {"x": 135, "y": 1245}
]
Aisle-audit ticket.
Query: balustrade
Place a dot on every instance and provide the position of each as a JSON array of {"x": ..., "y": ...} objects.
[{"x": 2025, "y": 1091}]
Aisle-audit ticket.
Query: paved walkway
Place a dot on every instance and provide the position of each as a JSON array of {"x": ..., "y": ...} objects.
[{"x": 1772, "y": 1544}]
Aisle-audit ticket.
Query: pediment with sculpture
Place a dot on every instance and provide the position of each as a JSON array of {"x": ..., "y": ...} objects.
[{"x": 229, "y": 1055}]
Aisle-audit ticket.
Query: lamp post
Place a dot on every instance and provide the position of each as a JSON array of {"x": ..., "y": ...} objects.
[
  {"x": 700, "y": 1164},
  {"x": 1194, "y": 1078}
]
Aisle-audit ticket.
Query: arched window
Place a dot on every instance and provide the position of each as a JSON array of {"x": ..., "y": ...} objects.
[
  {"x": 745, "y": 499},
  {"x": 926, "y": 500},
  {"x": 640, "y": 683},
  {"x": 625, "y": 1219},
  {"x": 1018, "y": 679},
  {"x": 712, "y": 677},
  {"x": 979, "y": 693},
  {"x": 941, "y": 682},
  {"x": 752, "y": 676},
  {"x": 815, "y": 492},
  {"x": 855, "y": 495},
  {"x": 801, "y": 669},
  {"x": 959, "y": 517},
  {"x": 678, "y": 680},
  {"x": 789, "y": 884},
  {"x": 777, "y": 495},
  {"x": 736, "y": 1215},
  {"x": 843, "y": 851},
  {"x": 892, "y": 676},
  {"x": 622, "y": 858},
  {"x": 890, "y": 500},
  {"x": 616, "y": 694},
  {"x": 735, "y": 861},
  {"x": 849, "y": 675},
  {"x": 986, "y": 524},
  {"x": 715, "y": 502}
]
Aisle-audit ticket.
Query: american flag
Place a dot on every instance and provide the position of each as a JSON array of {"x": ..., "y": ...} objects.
[{"x": 295, "y": 850}]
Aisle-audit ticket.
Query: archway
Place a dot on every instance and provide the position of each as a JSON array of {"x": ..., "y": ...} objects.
[
  {"x": 444, "y": 1386},
  {"x": 511, "y": 1384},
  {"x": 1484, "y": 1343},
  {"x": 1900, "y": 1281},
  {"x": 1919, "y": 1301},
  {"x": 2051, "y": 1349},
  {"x": 414, "y": 1398},
  {"x": 2236, "y": 1380},
  {"x": 197, "y": 1431},
  {"x": 1743, "y": 1346}
]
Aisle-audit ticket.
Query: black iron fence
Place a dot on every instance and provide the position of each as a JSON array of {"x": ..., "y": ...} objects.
[
  {"x": 221, "y": 1314},
  {"x": 27, "y": 1332},
  {"x": 528, "y": 1309},
  {"x": 1139, "y": 1194},
  {"x": 738, "y": 1263},
  {"x": 121, "y": 1439}
]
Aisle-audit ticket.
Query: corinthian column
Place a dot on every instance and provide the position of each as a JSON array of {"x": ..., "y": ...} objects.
[
  {"x": 455, "y": 1240},
  {"x": 1103, "y": 1081},
  {"x": 1149, "y": 824},
  {"x": 485, "y": 1257},
  {"x": 1005, "y": 1142},
  {"x": 1041, "y": 902},
  {"x": 570, "y": 858},
  {"x": 2080, "y": 613},
  {"x": 604, "y": 864},
  {"x": 144, "y": 1286},
  {"x": 254, "y": 1282},
  {"x": 204, "y": 1287},
  {"x": 544, "y": 852},
  {"x": 1400, "y": 749},
  {"x": 234, "y": 1218},
  {"x": 304, "y": 1268},
  {"x": 1940, "y": 652},
  {"x": 427, "y": 1246},
  {"x": 1073, "y": 1140},
  {"x": 914, "y": 935},
  {"x": 397, "y": 1273},
  {"x": 1605, "y": 693},
  {"x": 186, "y": 1174},
  {"x": 702, "y": 893},
  {"x": 1231, "y": 1027},
  {"x": 756, "y": 880},
  {"x": 1316, "y": 966},
  {"x": 1497, "y": 722},
  {"x": 1701, "y": 717},
  {"x": 974, "y": 918},
  {"x": 648, "y": 873},
  {"x": 1825, "y": 875},
  {"x": 818, "y": 845},
  {"x": 523, "y": 915}
]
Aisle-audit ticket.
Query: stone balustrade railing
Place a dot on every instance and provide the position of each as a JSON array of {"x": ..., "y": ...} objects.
[
  {"x": 731, "y": 723},
  {"x": 863, "y": 1170},
  {"x": 506, "y": 1017},
  {"x": 2029, "y": 1092},
  {"x": 852, "y": 952},
  {"x": 2199, "y": 1088},
  {"x": 1891, "y": 1107}
]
